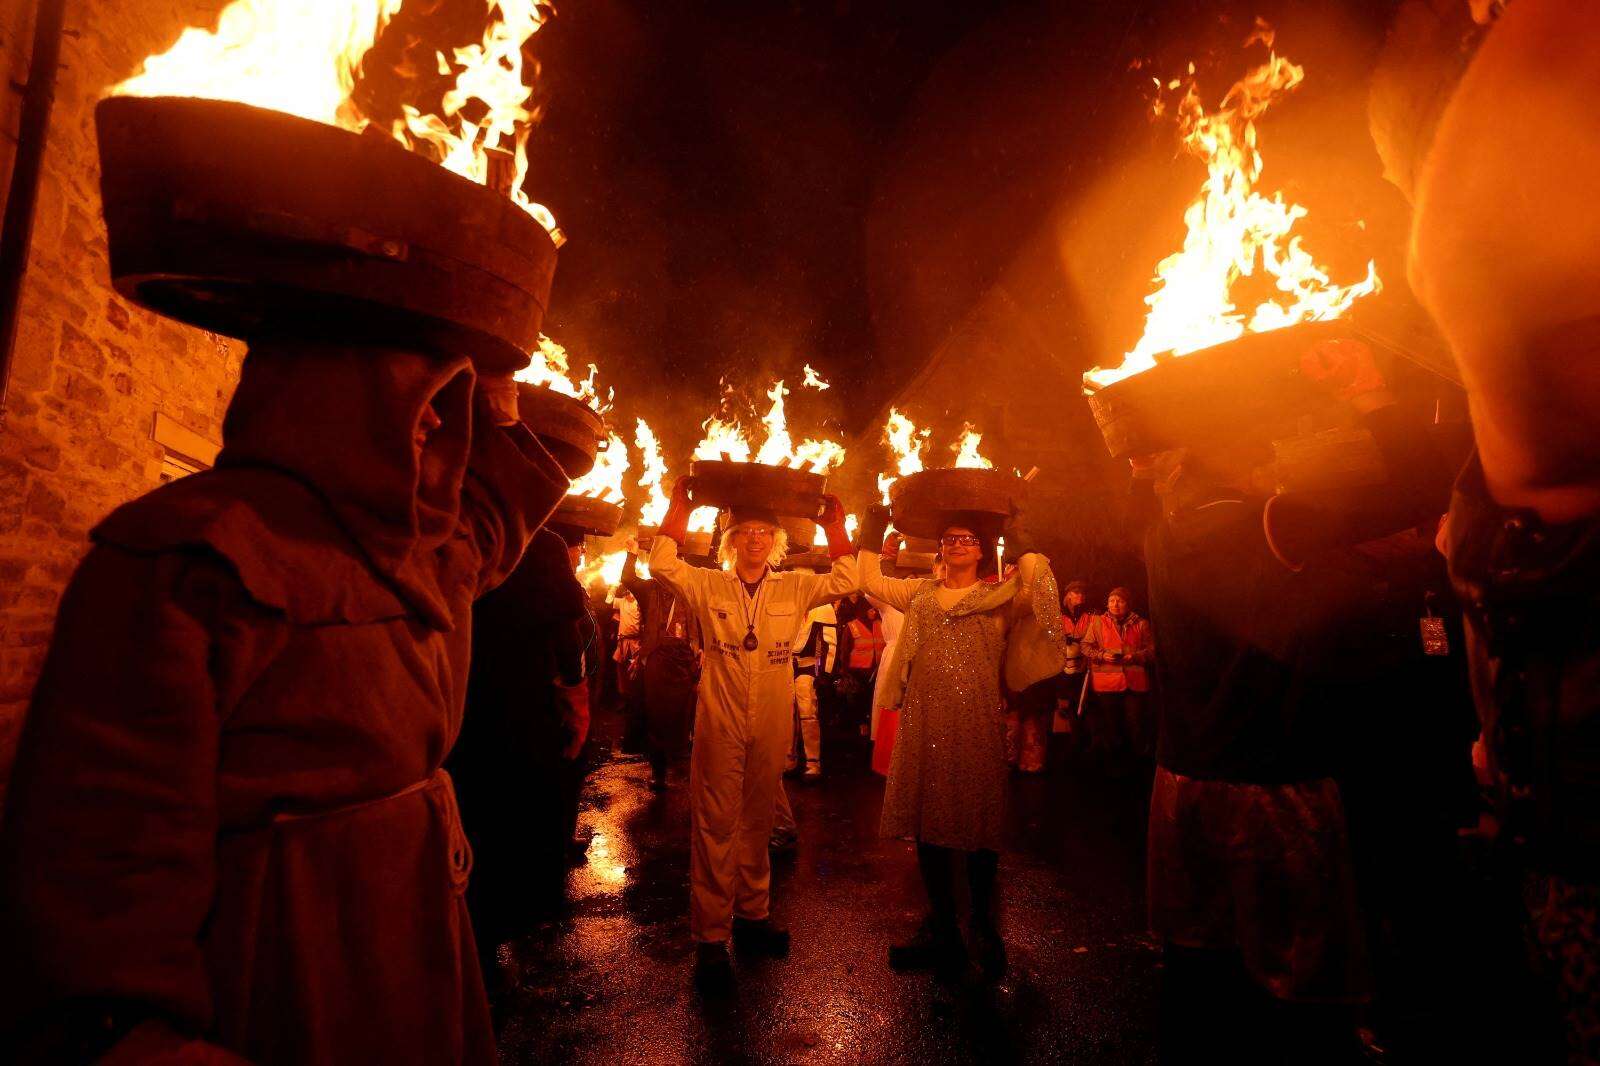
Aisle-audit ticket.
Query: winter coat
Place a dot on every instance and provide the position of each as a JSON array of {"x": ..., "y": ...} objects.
[{"x": 228, "y": 814}]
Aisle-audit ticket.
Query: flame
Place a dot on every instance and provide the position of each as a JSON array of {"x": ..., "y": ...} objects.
[
  {"x": 302, "y": 57},
  {"x": 703, "y": 520},
  {"x": 908, "y": 444},
  {"x": 1233, "y": 231},
  {"x": 814, "y": 380},
  {"x": 726, "y": 439},
  {"x": 553, "y": 372},
  {"x": 602, "y": 571},
  {"x": 604, "y": 482},
  {"x": 966, "y": 449},
  {"x": 653, "y": 476},
  {"x": 851, "y": 524}
]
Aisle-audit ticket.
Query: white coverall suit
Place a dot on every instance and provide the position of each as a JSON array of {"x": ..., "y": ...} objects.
[{"x": 743, "y": 725}]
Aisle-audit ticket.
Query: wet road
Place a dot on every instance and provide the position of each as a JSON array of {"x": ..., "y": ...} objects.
[{"x": 609, "y": 982}]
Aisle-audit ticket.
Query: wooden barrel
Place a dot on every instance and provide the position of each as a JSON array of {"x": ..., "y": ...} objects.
[
  {"x": 1213, "y": 396},
  {"x": 808, "y": 560},
  {"x": 250, "y": 222},
  {"x": 592, "y": 516},
  {"x": 787, "y": 493},
  {"x": 570, "y": 428},
  {"x": 924, "y": 503}
]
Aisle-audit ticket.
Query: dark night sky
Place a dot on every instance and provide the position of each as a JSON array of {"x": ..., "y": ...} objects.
[{"x": 751, "y": 186}]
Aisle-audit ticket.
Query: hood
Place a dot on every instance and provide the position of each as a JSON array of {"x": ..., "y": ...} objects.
[{"x": 341, "y": 419}]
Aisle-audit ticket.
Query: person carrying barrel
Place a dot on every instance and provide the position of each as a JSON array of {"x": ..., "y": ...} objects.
[
  {"x": 947, "y": 777},
  {"x": 228, "y": 826},
  {"x": 749, "y": 615}
]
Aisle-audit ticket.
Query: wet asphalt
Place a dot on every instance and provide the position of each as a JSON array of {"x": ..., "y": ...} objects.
[{"x": 608, "y": 981}]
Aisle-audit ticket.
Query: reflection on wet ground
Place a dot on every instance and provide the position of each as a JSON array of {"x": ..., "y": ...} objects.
[{"x": 609, "y": 982}]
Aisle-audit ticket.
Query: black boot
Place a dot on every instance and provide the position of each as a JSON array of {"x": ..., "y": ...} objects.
[
  {"x": 713, "y": 972},
  {"x": 760, "y": 937},
  {"x": 936, "y": 946},
  {"x": 988, "y": 950}
]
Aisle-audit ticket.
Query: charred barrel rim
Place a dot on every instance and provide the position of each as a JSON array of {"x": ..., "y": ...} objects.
[
  {"x": 588, "y": 514},
  {"x": 568, "y": 427},
  {"x": 791, "y": 494},
  {"x": 246, "y": 221},
  {"x": 1215, "y": 395},
  {"x": 925, "y": 502}
]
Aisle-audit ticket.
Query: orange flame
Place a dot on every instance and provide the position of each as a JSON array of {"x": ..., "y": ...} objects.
[
  {"x": 653, "y": 476},
  {"x": 552, "y": 371},
  {"x": 601, "y": 571},
  {"x": 726, "y": 439},
  {"x": 604, "y": 482},
  {"x": 966, "y": 449},
  {"x": 302, "y": 57},
  {"x": 908, "y": 443},
  {"x": 1233, "y": 230},
  {"x": 814, "y": 380}
]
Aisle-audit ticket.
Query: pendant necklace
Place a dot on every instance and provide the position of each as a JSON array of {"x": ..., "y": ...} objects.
[{"x": 751, "y": 641}]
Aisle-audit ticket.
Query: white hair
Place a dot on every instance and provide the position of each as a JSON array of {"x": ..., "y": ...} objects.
[{"x": 780, "y": 545}]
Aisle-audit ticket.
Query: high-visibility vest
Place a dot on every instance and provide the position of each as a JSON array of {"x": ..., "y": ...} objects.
[
  {"x": 866, "y": 644},
  {"x": 1131, "y": 638}
]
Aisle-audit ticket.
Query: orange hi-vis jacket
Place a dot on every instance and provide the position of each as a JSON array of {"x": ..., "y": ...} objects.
[
  {"x": 866, "y": 644},
  {"x": 1132, "y": 639}
]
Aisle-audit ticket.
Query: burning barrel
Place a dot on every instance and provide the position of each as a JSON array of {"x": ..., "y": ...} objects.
[
  {"x": 579, "y": 516},
  {"x": 250, "y": 222},
  {"x": 927, "y": 503},
  {"x": 568, "y": 427},
  {"x": 793, "y": 495},
  {"x": 1213, "y": 396}
]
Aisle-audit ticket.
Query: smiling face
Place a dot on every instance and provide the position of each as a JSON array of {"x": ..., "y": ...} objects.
[
  {"x": 960, "y": 547},
  {"x": 752, "y": 543}
]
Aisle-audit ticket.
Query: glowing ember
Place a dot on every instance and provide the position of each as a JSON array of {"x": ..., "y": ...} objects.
[
  {"x": 908, "y": 443},
  {"x": 551, "y": 369},
  {"x": 653, "y": 477},
  {"x": 966, "y": 449},
  {"x": 604, "y": 482},
  {"x": 1233, "y": 231},
  {"x": 726, "y": 439},
  {"x": 302, "y": 57},
  {"x": 814, "y": 380}
]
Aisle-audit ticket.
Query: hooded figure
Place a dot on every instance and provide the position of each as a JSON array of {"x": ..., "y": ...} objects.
[{"x": 228, "y": 821}]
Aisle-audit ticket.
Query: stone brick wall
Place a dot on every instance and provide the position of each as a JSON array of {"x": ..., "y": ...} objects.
[{"x": 90, "y": 371}]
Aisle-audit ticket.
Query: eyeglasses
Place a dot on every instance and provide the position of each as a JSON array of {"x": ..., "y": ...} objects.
[
  {"x": 752, "y": 531},
  {"x": 950, "y": 540}
]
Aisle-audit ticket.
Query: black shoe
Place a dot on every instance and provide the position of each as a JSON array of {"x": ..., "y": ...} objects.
[
  {"x": 713, "y": 972},
  {"x": 935, "y": 946},
  {"x": 760, "y": 937},
  {"x": 989, "y": 951}
]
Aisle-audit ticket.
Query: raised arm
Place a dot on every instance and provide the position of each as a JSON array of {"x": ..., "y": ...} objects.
[
  {"x": 690, "y": 582},
  {"x": 896, "y": 592}
]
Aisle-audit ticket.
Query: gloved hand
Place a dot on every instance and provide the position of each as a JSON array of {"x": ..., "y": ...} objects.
[
  {"x": 1346, "y": 369},
  {"x": 832, "y": 522},
  {"x": 873, "y": 527},
  {"x": 675, "y": 523},
  {"x": 574, "y": 717},
  {"x": 1019, "y": 541}
]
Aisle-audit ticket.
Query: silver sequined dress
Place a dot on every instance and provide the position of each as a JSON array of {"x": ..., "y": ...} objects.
[{"x": 947, "y": 776}]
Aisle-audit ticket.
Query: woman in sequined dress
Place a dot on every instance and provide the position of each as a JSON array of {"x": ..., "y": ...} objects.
[{"x": 963, "y": 634}]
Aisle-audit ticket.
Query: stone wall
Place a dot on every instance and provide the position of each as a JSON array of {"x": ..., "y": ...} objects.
[{"x": 91, "y": 372}]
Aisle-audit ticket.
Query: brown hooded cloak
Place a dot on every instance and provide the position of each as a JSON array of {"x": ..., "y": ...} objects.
[{"x": 228, "y": 813}]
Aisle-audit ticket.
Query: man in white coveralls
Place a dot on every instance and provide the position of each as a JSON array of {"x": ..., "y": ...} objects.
[{"x": 749, "y": 614}]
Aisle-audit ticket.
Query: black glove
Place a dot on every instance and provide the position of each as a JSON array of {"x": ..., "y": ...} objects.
[
  {"x": 873, "y": 527},
  {"x": 1019, "y": 541}
]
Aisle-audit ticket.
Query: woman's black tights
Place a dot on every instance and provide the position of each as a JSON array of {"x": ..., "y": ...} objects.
[{"x": 938, "y": 866}]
